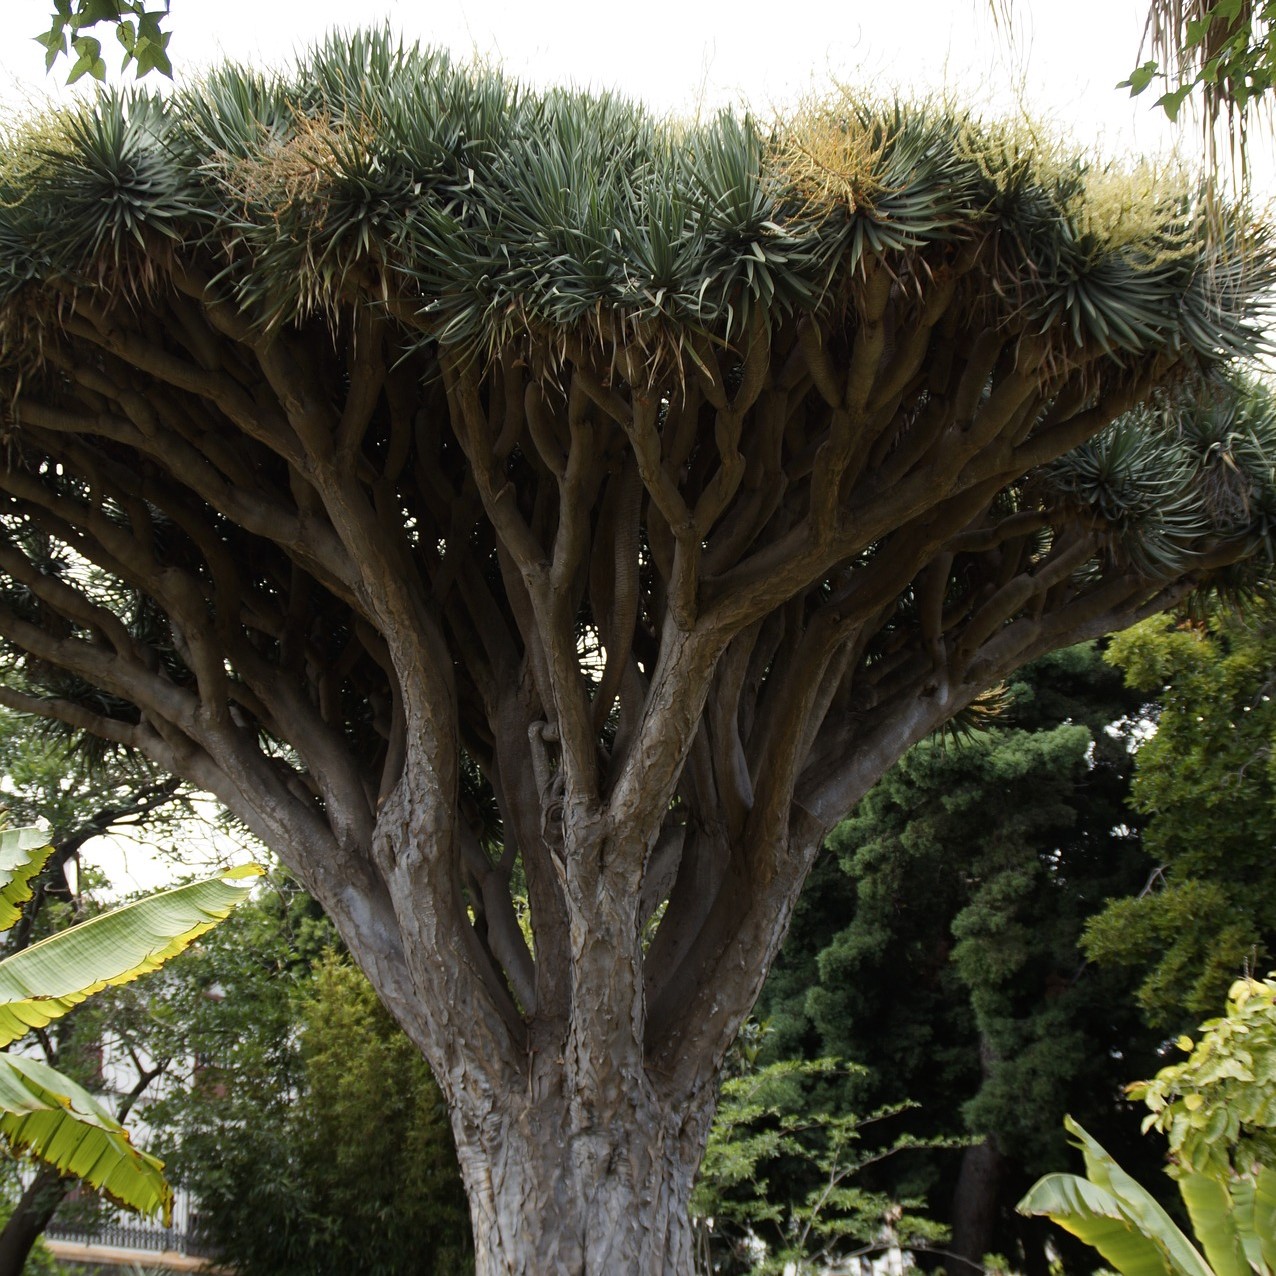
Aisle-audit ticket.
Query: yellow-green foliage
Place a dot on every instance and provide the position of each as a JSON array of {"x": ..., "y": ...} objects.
[
  {"x": 374, "y": 1129},
  {"x": 1218, "y": 1107},
  {"x": 1206, "y": 783},
  {"x": 836, "y": 154}
]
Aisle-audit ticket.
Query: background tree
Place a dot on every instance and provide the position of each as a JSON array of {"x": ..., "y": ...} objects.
[
  {"x": 1206, "y": 781},
  {"x": 456, "y": 479},
  {"x": 308, "y": 1128},
  {"x": 940, "y": 947}
]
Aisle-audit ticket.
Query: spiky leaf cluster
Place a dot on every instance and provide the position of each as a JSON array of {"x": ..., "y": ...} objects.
[
  {"x": 1159, "y": 481},
  {"x": 489, "y": 210}
]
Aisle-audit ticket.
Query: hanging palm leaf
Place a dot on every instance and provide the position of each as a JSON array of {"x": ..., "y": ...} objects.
[
  {"x": 46, "y": 1114},
  {"x": 43, "y": 982},
  {"x": 43, "y": 1112}
]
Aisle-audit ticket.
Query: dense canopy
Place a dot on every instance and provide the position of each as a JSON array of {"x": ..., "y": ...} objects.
[
  {"x": 502, "y": 210},
  {"x": 539, "y": 519}
]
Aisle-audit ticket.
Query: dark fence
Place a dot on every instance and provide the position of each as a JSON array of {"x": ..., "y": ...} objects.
[{"x": 138, "y": 1236}]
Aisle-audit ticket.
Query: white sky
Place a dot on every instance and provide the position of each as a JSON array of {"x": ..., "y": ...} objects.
[
  {"x": 675, "y": 54},
  {"x": 1062, "y": 64},
  {"x": 199, "y": 846}
]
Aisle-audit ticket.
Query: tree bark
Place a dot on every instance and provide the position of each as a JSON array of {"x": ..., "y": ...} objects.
[
  {"x": 579, "y": 1156},
  {"x": 550, "y": 1193}
]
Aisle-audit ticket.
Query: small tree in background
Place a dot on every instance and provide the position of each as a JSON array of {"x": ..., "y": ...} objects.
[
  {"x": 389, "y": 1193},
  {"x": 309, "y": 1132},
  {"x": 1206, "y": 782},
  {"x": 780, "y": 1188}
]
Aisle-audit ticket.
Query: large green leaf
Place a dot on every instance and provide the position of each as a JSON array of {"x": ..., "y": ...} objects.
[
  {"x": 50, "y": 1116},
  {"x": 1264, "y": 1227},
  {"x": 1116, "y": 1215},
  {"x": 1138, "y": 1204},
  {"x": 1254, "y": 1213},
  {"x": 1210, "y": 1207},
  {"x": 23, "y": 853},
  {"x": 1096, "y": 1216},
  {"x": 43, "y": 982},
  {"x": 1243, "y": 1212}
]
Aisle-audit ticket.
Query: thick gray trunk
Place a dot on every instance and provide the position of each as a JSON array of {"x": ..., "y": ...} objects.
[
  {"x": 578, "y": 1142},
  {"x": 551, "y": 1194}
]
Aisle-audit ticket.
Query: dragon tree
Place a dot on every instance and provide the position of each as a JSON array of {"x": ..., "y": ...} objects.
[{"x": 541, "y": 522}]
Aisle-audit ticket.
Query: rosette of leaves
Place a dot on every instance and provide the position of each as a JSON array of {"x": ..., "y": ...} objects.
[
  {"x": 484, "y": 208},
  {"x": 1164, "y": 485}
]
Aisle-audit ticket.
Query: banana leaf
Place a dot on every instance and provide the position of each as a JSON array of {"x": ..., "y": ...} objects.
[
  {"x": 23, "y": 853},
  {"x": 1261, "y": 1240},
  {"x": 1094, "y": 1215},
  {"x": 1115, "y": 1214},
  {"x": 1243, "y": 1193},
  {"x": 1214, "y": 1221},
  {"x": 43, "y": 982},
  {"x": 1138, "y": 1203},
  {"x": 48, "y": 1115}
]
